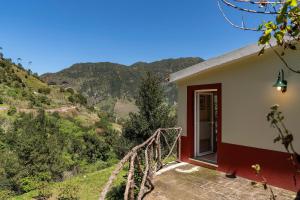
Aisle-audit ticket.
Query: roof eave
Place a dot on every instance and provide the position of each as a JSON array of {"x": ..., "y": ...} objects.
[{"x": 217, "y": 61}]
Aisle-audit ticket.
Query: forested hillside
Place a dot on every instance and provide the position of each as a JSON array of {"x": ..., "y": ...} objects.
[
  {"x": 105, "y": 84},
  {"x": 48, "y": 134}
]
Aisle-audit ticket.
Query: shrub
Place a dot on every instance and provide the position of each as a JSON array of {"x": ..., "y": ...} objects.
[
  {"x": 52, "y": 83},
  {"x": 44, "y": 90},
  {"x": 5, "y": 194},
  {"x": 13, "y": 93},
  {"x": 71, "y": 99},
  {"x": 34, "y": 101},
  {"x": 1, "y": 100},
  {"x": 117, "y": 192},
  {"x": 24, "y": 93},
  {"x": 38, "y": 145},
  {"x": 12, "y": 110},
  {"x": 70, "y": 90},
  {"x": 78, "y": 98},
  {"x": 104, "y": 123},
  {"x": 62, "y": 89},
  {"x": 122, "y": 146},
  {"x": 44, "y": 100},
  {"x": 95, "y": 147},
  {"x": 81, "y": 99},
  {"x": 44, "y": 192},
  {"x": 68, "y": 191},
  {"x": 33, "y": 182},
  {"x": 28, "y": 184}
]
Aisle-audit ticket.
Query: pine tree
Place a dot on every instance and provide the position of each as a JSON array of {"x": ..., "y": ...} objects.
[{"x": 153, "y": 112}]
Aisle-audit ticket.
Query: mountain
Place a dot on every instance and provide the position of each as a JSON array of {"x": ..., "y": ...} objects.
[{"x": 107, "y": 82}]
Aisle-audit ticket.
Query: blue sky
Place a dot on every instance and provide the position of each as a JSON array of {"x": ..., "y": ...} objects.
[{"x": 55, "y": 34}]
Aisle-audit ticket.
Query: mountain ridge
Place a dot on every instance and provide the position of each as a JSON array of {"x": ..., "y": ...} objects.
[{"x": 107, "y": 81}]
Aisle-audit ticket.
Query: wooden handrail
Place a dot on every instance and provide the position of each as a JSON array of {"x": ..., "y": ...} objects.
[{"x": 153, "y": 163}]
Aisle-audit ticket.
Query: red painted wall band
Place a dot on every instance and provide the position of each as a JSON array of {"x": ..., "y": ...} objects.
[{"x": 275, "y": 166}]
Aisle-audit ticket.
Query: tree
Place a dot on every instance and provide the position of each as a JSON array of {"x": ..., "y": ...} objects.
[
  {"x": 284, "y": 25},
  {"x": 95, "y": 147},
  {"x": 38, "y": 151},
  {"x": 29, "y": 64},
  {"x": 1, "y": 53},
  {"x": 19, "y": 60},
  {"x": 153, "y": 112}
]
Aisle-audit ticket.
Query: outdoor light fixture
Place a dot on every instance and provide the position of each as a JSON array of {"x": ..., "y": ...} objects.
[{"x": 281, "y": 84}]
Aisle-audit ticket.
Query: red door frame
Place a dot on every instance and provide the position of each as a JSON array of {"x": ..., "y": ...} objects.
[{"x": 188, "y": 148}]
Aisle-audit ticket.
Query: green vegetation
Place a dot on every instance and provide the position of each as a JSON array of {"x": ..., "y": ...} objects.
[
  {"x": 42, "y": 149},
  {"x": 153, "y": 112},
  {"x": 106, "y": 83},
  {"x": 88, "y": 185},
  {"x": 12, "y": 110},
  {"x": 78, "y": 98},
  {"x": 55, "y": 144},
  {"x": 47, "y": 137},
  {"x": 23, "y": 90}
]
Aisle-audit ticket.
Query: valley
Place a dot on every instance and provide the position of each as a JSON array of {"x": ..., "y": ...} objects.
[{"x": 61, "y": 131}]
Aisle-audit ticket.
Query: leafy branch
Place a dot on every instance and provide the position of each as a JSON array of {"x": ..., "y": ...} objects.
[
  {"x": 276, "y": 119},
  {"x": 284, "y": 29}
]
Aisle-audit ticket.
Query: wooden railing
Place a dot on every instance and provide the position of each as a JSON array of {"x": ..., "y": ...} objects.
[{"x": 145, "y": 159}]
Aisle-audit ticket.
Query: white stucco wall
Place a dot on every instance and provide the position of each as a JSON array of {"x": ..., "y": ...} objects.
[{"x": 247, "y": 95}]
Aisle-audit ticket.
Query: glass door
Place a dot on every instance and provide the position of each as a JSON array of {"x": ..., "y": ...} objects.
[{"x": 204, "y": 123}]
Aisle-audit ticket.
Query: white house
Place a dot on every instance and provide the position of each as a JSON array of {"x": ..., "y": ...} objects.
[{"x": 222, "y": 108}]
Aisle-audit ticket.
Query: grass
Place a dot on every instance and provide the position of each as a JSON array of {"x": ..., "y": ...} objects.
[
  {"x": 4, "y": 105},
  {"x": 30, "y": 80},
  {"x": 90, "y": 185}
]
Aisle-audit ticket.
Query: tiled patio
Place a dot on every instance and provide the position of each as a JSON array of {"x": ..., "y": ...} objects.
[{"x": 188, "y": 182}]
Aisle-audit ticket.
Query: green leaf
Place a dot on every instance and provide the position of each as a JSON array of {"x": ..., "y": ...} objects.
[
  {"x": 293, "y": 3},
  {"x": 284, "y": 9},
  {"x": 260, "y": 27},
  {"x": 279, "y": 18},
  {"x": 268, "y": 31}
]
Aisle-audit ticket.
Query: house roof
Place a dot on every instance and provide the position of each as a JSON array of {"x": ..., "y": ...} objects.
[{"x": 217, "y": 62}]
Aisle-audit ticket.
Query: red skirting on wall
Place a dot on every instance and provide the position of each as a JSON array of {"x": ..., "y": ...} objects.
[{"x": 275, "y": 166}]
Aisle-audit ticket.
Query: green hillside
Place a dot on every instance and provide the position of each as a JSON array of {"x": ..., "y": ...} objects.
[
  {"x": 49, "y": 137},
  {"x": 52, "y": 141},
  {"x": 24, "y": 90},
  {"x": 109, "y": 84}
]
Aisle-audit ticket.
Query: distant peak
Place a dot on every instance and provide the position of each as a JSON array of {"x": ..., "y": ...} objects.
[{"x": 138, "y": 63}]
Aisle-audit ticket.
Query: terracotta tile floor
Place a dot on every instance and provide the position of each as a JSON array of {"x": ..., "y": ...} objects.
[{"x": 189, "y": 182}]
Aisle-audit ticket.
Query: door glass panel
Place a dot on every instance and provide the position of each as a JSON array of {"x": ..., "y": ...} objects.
[
  {"x": 206, "y": 123},
  {"x": 206, "y": 126}
]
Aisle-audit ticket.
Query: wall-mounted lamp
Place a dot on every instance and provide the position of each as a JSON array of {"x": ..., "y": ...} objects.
[{"x": 281, "y": 83}]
